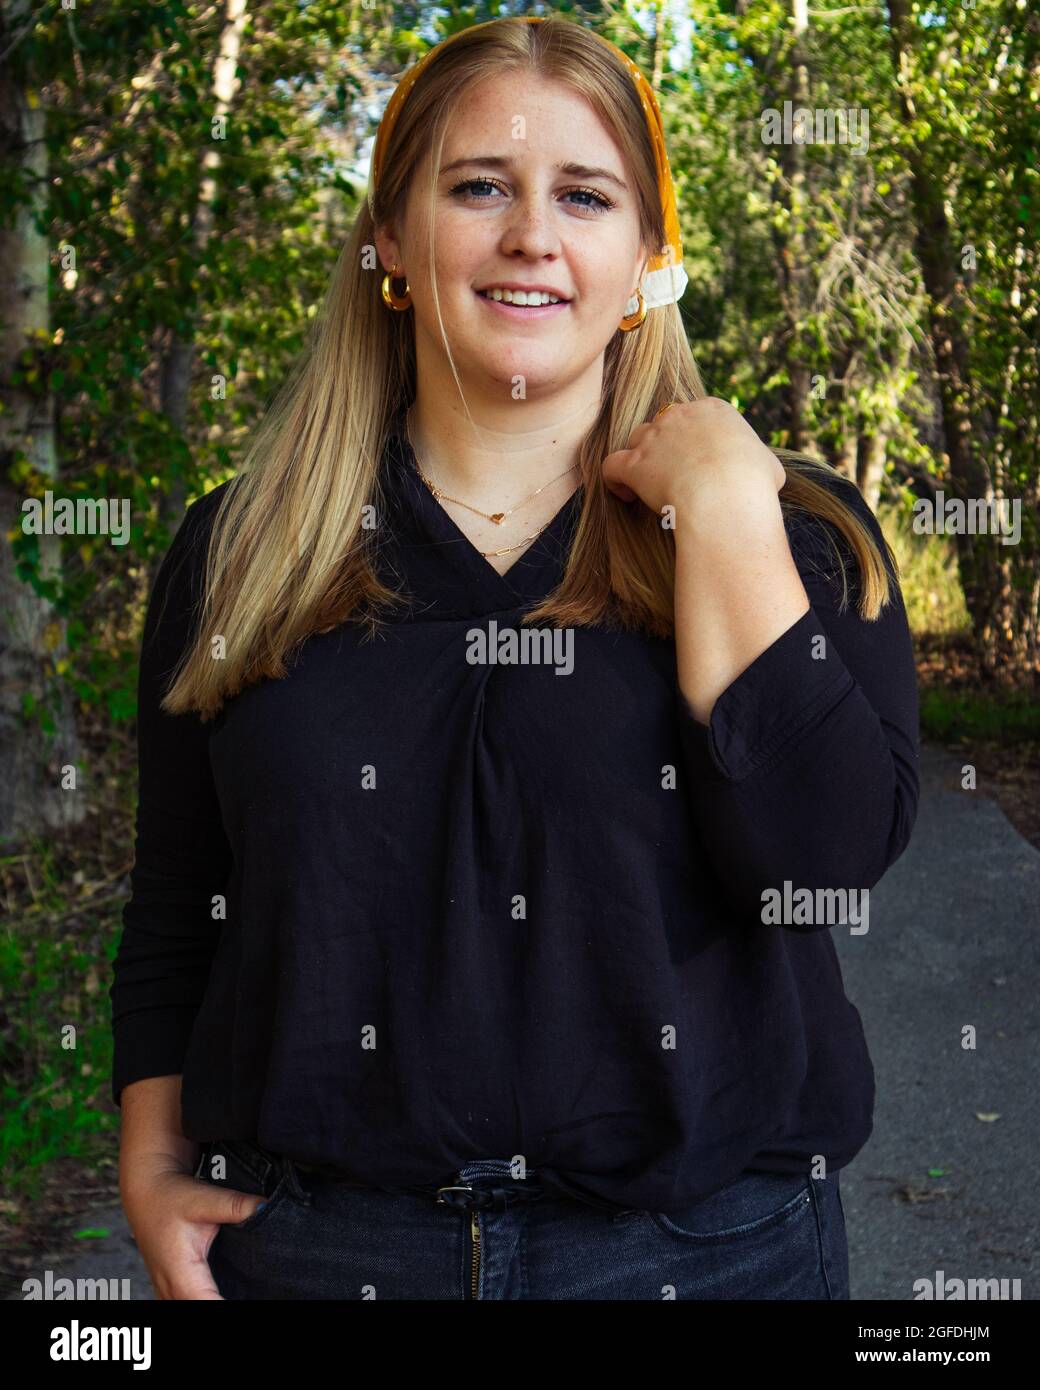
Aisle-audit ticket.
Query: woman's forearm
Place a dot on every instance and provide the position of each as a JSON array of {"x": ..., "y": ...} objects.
[
  {"x": 737, "y": 589},
  {"x": 151, "y": 1126},
  {"x": 798, "y": 717}
]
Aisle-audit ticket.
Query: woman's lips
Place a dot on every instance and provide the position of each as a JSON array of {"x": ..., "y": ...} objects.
[{"x": 522, "y": 311}]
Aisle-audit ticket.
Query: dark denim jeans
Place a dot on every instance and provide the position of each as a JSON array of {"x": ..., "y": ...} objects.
[{"x": 765, "y": 1236}]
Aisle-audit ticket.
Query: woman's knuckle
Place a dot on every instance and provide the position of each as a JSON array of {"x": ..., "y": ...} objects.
[{"x": 240, "y": 1205}]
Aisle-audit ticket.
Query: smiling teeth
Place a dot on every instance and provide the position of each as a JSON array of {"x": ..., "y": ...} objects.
[{"x": 522, "y": 296}]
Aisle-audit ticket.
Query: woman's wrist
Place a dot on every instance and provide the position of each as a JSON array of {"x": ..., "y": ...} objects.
[
  {"x": 151, "y": 1125},
  {"x": 737, "y": 589},
  {"x": 707, "y": 512}
]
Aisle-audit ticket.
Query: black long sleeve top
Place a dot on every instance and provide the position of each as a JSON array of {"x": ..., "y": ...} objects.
[{"x": 418, "y": 903}]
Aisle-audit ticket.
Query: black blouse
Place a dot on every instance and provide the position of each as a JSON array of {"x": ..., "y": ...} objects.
[{"x": 451, "y": 893}]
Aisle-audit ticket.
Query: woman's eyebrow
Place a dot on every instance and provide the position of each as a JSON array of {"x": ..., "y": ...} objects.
[{"x": 500, "y": 161}]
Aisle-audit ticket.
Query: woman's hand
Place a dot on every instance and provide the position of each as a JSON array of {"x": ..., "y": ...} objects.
[
  {"x": 173, "y": 1215},
  {"x": 695, "y": 454},
  {"x": 175, "y": 1218}
]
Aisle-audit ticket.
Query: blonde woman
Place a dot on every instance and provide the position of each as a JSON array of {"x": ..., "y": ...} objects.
[{"x": 516, "y": 730}]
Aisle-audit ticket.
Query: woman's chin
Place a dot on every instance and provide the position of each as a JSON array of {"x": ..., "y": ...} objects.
[{"x": 522, "y": 370}]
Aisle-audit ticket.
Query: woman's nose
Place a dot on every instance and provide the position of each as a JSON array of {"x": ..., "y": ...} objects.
[{"x": 530, "y": 226}]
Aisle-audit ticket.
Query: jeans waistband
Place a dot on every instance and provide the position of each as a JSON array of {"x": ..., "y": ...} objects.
[{"x": 485, "y": 1184}]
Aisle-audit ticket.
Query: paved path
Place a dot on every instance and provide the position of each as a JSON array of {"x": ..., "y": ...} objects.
[{"x": 954, "y": 941}]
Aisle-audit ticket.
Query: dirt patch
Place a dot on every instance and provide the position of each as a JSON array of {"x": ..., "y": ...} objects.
[
  {"x": 40, "y": 1232},
  {"x": 1012, "y": 778},
  {"x": 1009, "y": 772}
]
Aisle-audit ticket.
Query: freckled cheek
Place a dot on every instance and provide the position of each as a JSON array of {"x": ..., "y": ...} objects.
[
  {"x": 461, "y": 249},
  {"x": 598, "y": 285}
]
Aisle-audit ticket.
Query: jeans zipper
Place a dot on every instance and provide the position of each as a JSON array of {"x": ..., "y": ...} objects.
[{"x": 474, "y": 1240}]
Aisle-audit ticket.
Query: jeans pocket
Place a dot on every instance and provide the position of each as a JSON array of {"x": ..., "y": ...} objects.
[
  {"x": 241, "y": 1167},
  {"x": 755, "y": 1203},
  {"x": 833, "y": 1241}
]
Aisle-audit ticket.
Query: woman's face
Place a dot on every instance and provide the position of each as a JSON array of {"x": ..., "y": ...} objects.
[{"x": 506, "y": 213}]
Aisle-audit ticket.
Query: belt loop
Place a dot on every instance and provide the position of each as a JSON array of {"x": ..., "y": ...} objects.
[
  {"x": 202, "y": 1162},
  {"x": 291, "y": 1176},
  {"x": 486, "y": 1196}
]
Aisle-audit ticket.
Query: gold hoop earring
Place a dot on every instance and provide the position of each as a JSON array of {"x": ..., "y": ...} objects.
[
  {"x": 392, "y": 300},
  {"x": 633, "y": 320}
]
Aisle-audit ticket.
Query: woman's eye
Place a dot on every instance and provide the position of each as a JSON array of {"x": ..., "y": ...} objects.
[
  {"x": 599, "y": 200},
  {"x": 474, "y": 183}
]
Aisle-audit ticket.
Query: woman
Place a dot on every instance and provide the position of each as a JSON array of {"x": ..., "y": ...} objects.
[{"x": 523, "y": 737}]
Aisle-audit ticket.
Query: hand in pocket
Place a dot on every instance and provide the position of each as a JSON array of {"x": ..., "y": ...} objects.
[{"x": 175, "y": 1218}]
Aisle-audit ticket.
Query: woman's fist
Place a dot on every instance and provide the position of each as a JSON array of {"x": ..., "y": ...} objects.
[{"x": 694, "y": 454}]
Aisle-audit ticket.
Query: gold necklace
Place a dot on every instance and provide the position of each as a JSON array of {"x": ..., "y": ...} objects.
[{"x": 496, "y": 517}]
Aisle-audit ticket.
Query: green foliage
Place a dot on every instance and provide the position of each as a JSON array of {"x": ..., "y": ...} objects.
[
  {"x": 792, "y": 271},
  {"x": 928, "y": 576},
  {"x": 968, "y": 717},
  {"x": 56, "y": 1042}
]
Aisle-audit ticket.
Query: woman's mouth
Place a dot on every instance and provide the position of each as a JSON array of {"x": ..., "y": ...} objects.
[{"x": 539, "y": 310}]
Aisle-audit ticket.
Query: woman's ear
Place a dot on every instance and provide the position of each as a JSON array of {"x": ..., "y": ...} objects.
[
  {"x": 641, "y": 267},
  {"x": 387, "y": 248}
]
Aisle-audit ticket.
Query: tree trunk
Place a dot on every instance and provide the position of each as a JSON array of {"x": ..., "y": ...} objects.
[
  {"x": 939, "y": 260},
  {"x": 32, "y": 634},
  {"x": 848, "y": 453},
  {"x": 795, "y": 261},
  {"x": 870, "y": 466},
  {"x": 175, "y": 368}
]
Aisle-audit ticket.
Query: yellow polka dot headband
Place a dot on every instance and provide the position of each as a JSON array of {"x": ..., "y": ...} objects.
[{"x": 665, "y": 280}]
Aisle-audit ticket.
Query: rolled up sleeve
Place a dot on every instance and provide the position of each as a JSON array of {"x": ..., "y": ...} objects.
[{"x": 807, "y": 771}]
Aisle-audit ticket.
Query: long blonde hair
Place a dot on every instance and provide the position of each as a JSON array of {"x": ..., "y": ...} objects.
[{"x": 289, "y": 553}]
